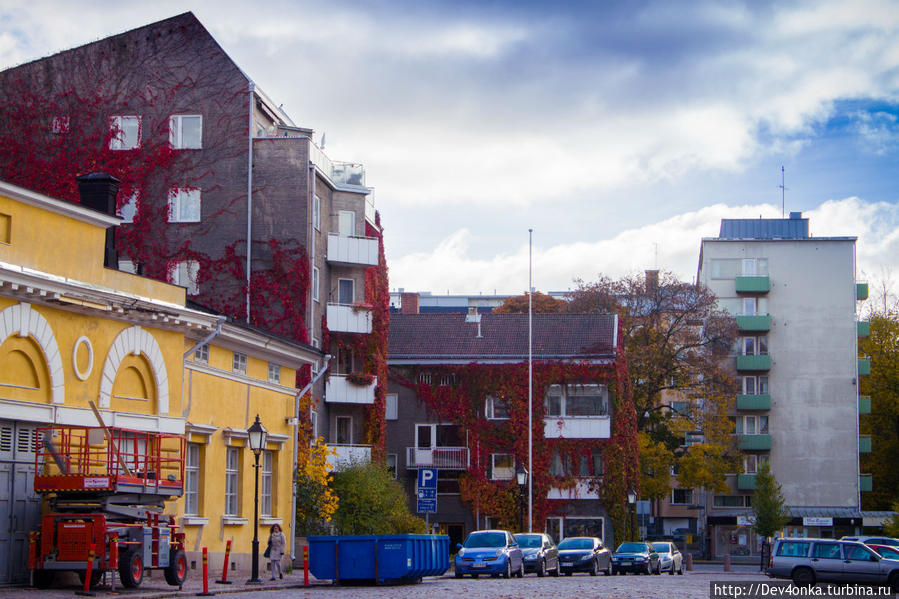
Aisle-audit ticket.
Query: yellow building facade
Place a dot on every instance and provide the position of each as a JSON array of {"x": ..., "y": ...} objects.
[{"x": 74, "y": 332}]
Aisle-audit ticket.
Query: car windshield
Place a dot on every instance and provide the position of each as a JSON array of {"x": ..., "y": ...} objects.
[
  {"x": 529, "y": 541},
  {"x": 485, "y": 539},
  {"x": 887, "y": 552},
  {"x": 660, "y": 547},
  {"x": 576, "y": 543},
  {"x": 631, "y": 548}
]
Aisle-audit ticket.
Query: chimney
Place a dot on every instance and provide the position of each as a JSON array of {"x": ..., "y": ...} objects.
[
  {"x": 652, "y": 280},
  {"x": 408, "y": 303},
  {"x": 98, "y": 191}
]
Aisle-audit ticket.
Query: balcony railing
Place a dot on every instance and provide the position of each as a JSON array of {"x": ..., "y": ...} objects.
[
  {"x": 864, "y": 366},
  {"x": 345, "y": 318},
  {"x": 339, "y": 389},
  {"x": 755, "y": 442},
  {"x": 349, "y": 454},
  {"x": 754, "y": 323},
  {"x": 757, "y": 363},
  {"x": 753, "y": 284},
  {"x": 861, "y": 291},
  {"x": 447, "y": 458},
  {"x": 864, "y": 444},
  {"x": 352, "y": 250},
  {"x": 746, "y": 482},
  {"x": 581, "y": 490},
  {"x": 753, "y": 402},
  {"x": 577, "y": 427},
  {"x": 864, "y": 404},
  {"x": 341, "y": 173},
  {"x": 866, "y": 483},
  {"x": 864, "y": 328}
]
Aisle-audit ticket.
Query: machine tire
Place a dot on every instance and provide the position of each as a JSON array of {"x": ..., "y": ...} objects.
[
  {"x": 803, "y": 577},
  {"x": 44, "y": 579},
  {"x": 131, "y": 569},
  {"x": 96, "y": 577},
  {"x": 176, "y": 571}
]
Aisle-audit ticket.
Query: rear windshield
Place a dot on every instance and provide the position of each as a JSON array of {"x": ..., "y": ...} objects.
[
  {"x": 529, "y": 541},
  {"x": 576, "y": 544},
  {"x": 793, "y": 549},
  {"x": 660, "y": 547},
  {"x": 485, "y": 539},
  {"x": 631, "y": 548}
]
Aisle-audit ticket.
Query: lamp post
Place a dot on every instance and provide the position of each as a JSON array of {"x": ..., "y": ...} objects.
[
  {"x": 256, "y": 434},
  {"x": 632, "y": 501},
  {"x": 521, "y": 476}
]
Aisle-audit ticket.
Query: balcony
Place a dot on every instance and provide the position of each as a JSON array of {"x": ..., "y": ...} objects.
[
  {"x": 746, "y": 482},
  {"x": 755, "y": 442},
  {"x": 580, "y": 427},
  {"x": 348, "y": 455},
  {"x": 753, "y": 284},
  {"x": 754, "y": 363},
  {"x": 864, "y": 444},
  {"x": 864, "y": 328},
  {"x": 753, "y": 402},
  {"x": 580, "y": 490},
  {"x": 341, "y": 389},
  {"x": 861, "y": 291},
  {"x": 864, "y": 366},
  {"x": 865, "y": 483},
  {"x": 349, "y": 318},
  {"x": 754, "y": 323},
  {"x": 350, "y": 250},
  {"x": 445, "y": 458},
  {"x": 864, "y": 404}
]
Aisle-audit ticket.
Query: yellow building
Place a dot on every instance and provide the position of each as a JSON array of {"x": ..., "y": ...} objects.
[{"x": 73, "y": 331}]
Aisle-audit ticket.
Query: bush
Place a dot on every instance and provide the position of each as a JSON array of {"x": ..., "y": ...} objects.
[{"x": 371, "y": 502}]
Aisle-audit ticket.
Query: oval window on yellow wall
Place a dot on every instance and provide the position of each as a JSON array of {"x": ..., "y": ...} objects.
[
  {"x": 23, "y": 371},
  {"x": 134, "y": 389}
]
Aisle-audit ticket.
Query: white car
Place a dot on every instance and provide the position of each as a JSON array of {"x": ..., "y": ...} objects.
[
  {"x": 873, "y": 540},
  {"x": 670, "y": 558}
]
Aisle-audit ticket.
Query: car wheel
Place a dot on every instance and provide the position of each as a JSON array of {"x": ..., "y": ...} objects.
[
  {"x": 541, "y": 569},
  {"x": 803, "y": 577},
  {"x": 681, "y": 569},
  {"x": 659, "y": 569},
  {"x": 558, "y": 569},
  {"x": 521, "y": 570},
  {"x": 648, "y": 569},
  {"x": 671, "y": 569},
  {"x": 609, "y": 570},
  {"x": 508, "y": 572},
  {"x": 894, "y": 582},
  {"x": 475, "y": 576},
  {"x": 459, "y": 574},
  {"x": 569, "y": 573},
  {"x": 594, "y": 568}
]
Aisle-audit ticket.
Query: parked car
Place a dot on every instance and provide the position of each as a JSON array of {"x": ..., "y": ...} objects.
[
  {"x": 492, "y": 552},
  {"x": 584, "y": 554},
  {"x": 885, "y": 551},
  {"x": 540, "y": 553},
  {"x": 867, "y": 540},
  {"x": 670, "y": 557},
  {"x": 636, "y": 557},
  {"x": 809, "y": 561}
]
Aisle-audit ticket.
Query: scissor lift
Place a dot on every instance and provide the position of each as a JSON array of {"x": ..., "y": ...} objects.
[{"x": 106, "y": 488}]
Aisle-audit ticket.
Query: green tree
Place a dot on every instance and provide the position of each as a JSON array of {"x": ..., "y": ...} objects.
[
  {"x": 891, "y": 526},
  {"x": 542, "y": 304},
  {"x": 371, "y": 502},
  {"x": 768, "y": 507}
]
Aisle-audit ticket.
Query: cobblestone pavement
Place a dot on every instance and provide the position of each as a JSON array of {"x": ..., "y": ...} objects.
[{"x": 694, "y": 585}]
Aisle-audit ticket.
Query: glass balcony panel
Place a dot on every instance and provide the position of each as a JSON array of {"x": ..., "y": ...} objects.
[
  {"x": 754, "y": 284},
  {"x": 864, "y": 366},
  {"x": 864, "y": 404},
  {"x": 753, "y": 402},
  {"x": 754, "y": 323},
  {"x": 754, "y": 363},
  {"x": 755, "y": 442},
  {"x": 746, "y": 482}
]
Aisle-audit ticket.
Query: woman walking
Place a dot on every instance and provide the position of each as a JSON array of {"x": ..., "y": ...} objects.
[{"x": 276, "y": 545}]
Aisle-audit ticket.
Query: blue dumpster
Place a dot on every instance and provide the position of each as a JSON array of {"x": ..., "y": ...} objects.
[{"x": 378, "y": 558}]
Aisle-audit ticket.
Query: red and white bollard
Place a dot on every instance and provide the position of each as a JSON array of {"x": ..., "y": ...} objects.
[
  {"x": 205, "y": 592},
  {"x": 224, "y": 579},
  {"x": 306, "y": 565}
]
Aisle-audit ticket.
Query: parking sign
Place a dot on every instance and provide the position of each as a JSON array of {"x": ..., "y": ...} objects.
[{"x": 427, "y": 478}]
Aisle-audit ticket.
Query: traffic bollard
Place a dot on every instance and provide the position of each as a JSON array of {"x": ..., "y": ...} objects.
[
  {"x": 205, "y": 592},
  {"x": 305, "y": 565},
  {"x": 727, "y": 563},
  {"x": 224, "y": 579},
  {"x": 688, "y": 561},
  {"x": 32, "y": 555},
  {"x": 86, "y": 592}
]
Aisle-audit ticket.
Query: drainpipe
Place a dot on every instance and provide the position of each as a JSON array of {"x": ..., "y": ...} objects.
[
  {"x": 250, "y": 199},
  {"x": 296, "y": 440},
  {"x": 207, "y": 339},
  {"x": 312, "y": 253}
]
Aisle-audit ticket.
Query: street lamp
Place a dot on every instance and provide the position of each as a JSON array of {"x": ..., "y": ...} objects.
[
  {"x": 256, "y": 434},
  {"x": 632, "y": 501},
  {"x": 521, "y": 476}
]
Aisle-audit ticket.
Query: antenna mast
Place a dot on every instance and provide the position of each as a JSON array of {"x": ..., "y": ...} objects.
[{"x": 783, "y": 194}]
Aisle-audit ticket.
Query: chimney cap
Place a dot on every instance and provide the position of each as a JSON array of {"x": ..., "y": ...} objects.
[{"x": 97, "y": 177}]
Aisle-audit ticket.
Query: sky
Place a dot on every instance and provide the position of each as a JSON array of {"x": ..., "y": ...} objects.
[{"x": 621, "y": 133}]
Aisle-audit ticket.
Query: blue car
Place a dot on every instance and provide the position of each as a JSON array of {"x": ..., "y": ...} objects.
[{"x": 493, "y": 552}]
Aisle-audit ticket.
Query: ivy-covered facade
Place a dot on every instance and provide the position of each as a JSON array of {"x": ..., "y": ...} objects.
[{"x": 458, "y": 402}]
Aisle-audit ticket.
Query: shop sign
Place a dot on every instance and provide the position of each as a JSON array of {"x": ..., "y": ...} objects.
[{"x": 808, "y": 521}]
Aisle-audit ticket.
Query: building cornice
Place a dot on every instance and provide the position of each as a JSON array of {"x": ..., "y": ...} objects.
[{"x": 69, "y": 209}]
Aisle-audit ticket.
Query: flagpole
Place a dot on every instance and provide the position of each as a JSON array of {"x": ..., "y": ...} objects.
[{"x": 530, "y": 383}]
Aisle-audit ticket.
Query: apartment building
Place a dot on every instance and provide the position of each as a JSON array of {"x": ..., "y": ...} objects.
[
  {"x": 222, "y": 194},
  {"x": 458, "y": 402},
  {"x": 797, "y": 365}
]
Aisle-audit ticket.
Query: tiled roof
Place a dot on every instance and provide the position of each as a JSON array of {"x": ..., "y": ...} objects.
[{"x": 503, "y": 337}]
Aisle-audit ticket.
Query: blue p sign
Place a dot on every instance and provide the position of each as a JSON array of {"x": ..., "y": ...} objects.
[{"x": 427, "y": 478}]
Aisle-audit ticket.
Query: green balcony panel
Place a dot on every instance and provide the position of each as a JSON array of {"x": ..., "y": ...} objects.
[
  {"x": 861, "y": 291},
  {"x": 756, "y": 363},
  {"x": 864, "y": 328},
  {"x": 754, "y": 323},
  {"x": 864, "y": 444},
  {"x": 755, "y": 442},
  {"x": 753, "y": 402},
  {"x": 753, "y": 285},
  {"x": 746, "y": 482},
  {"x": 865, "y": 483},
  {"x": 864, "y": 404},
  {"x": 864, "y": 366}
]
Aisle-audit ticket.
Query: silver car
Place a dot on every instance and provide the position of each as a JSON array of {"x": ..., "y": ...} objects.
[
  {"x": 809, "y": 561},
  {"x": 670, "y": 557}
]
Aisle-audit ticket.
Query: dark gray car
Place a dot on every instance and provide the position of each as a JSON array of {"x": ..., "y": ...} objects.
[
  {"x": 540, "y": 553},
  {"x": 809, "y": 561},
  {"x": 584, "y": 554}
]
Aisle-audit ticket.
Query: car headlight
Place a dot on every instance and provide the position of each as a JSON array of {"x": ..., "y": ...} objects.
[
  {"x": 586, "y": 557},
  {"x": 640, "y": 559},
  {"x": 499, "y": 552}
]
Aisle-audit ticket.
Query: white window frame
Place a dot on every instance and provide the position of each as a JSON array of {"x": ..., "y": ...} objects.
[
  {"x": 506, "y": 473},
  {"x": 192, "y": 480},
  {"x": 176, "y": 131},
  {"x": 755, "y": 267},
  {"x": 232, "y": 482},
  {"x": 392, "y": 464},
  {"x": 202, "y": 354},
  {"x": 315, "y": 284},
  {"x": 119, "y": 138},
  {"x": 239, "y": 363},
  {"x": 128, "y": 266},
  {"x": 186, "y": 273},
  {"x": 182, "y": 199},
  {"x": 313, "y": 420},
  {"x": 490, "y": 405},
  {"x": 128, "y": 210},
  {"x": 266, "y": 483},
  {"x": 274, "y": 373},
  {"x": 564, "y": 391},
  {"x": 317, "y": 213},
  {"x": 352, "y": 294},
  {"x": 750, "y": 464},
  {"x": 337, "y": 420},
  {"x": 346, "y": 223},
  {"x": 391, "y": 406},
  {"x": 690, "y": 502}
]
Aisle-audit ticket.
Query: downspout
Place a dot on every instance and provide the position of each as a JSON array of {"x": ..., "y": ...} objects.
[
  {"x": 312, "y": 253},
  {"x": 207, "y": 339},
  {"x": 296, "y": 449},
  {"x": 250, "y": 198}
]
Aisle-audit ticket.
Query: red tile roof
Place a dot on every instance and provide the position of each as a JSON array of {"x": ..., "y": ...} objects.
[{"x": 434, "y": 337}]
